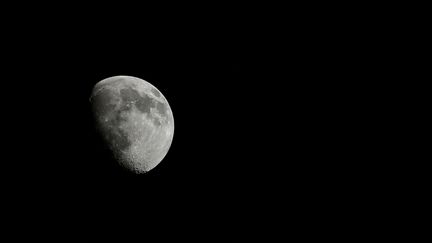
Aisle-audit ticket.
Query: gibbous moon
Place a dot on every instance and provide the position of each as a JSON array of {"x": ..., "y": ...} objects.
[{"x": 134, "y": 119}]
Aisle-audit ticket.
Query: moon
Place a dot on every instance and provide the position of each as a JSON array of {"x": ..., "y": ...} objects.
[{"x": 135, "y": 121}]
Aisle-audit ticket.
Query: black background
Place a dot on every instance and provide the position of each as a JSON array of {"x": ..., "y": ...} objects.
[
  {"x": 254, "y": 140},
  {"x": 60, "y": 182}
]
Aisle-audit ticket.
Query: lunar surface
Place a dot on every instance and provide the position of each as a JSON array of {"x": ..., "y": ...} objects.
[{"x": 135, "y": 121}]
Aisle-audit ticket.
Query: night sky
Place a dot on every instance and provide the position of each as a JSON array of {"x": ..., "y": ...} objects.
[
  {"x": 62, "y": 182},
  {"x": 250, "y": 133}
]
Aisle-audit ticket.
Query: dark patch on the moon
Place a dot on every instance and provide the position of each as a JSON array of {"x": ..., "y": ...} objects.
[
  {"x": 161, "y": 108},
  {"x": 155, "y": 92},
  {"x": 131, "y": 96},
  {"x": 143, "y": 103}
]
